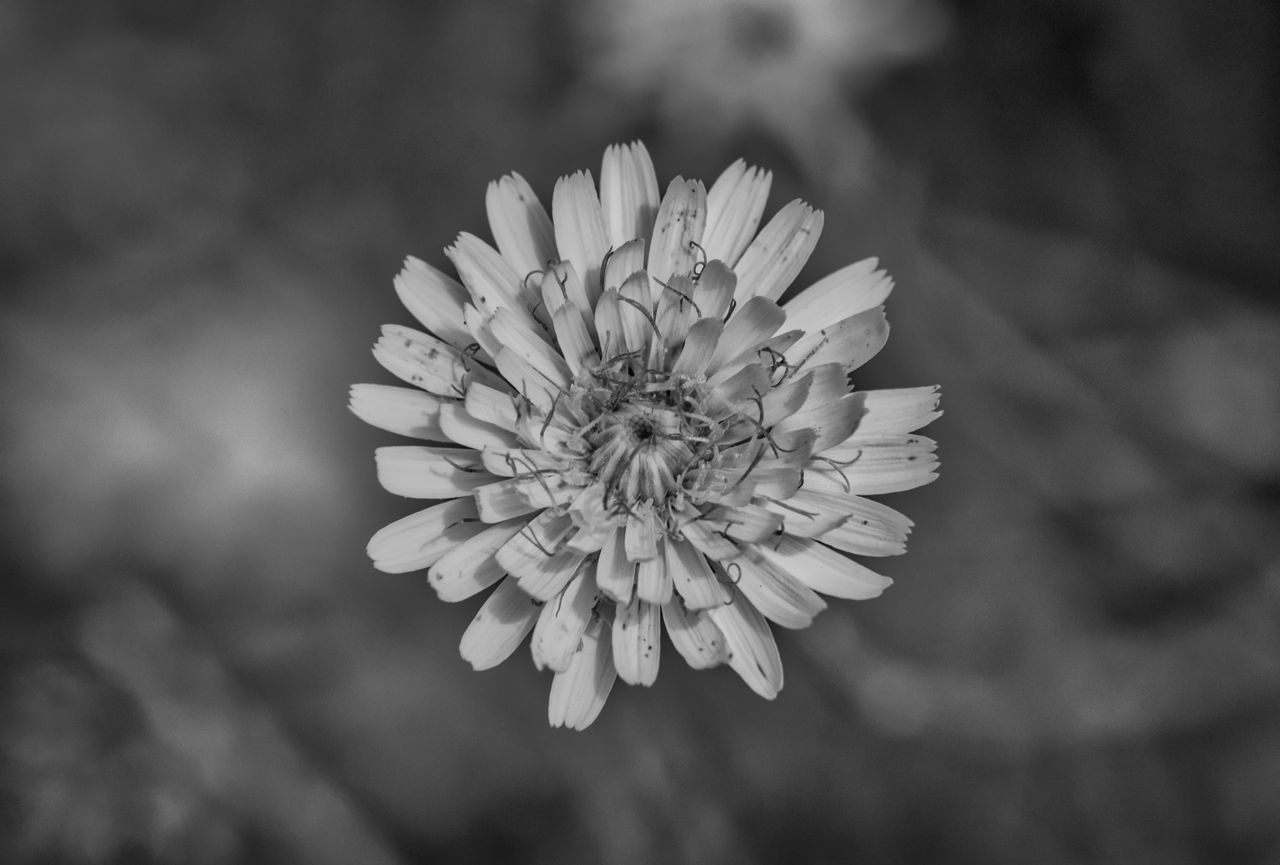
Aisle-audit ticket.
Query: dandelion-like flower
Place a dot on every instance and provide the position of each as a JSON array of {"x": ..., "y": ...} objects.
[{"x": 630, "y": 432}]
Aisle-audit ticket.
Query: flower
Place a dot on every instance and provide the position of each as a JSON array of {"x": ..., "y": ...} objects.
[{"x": 630, "y": 432}]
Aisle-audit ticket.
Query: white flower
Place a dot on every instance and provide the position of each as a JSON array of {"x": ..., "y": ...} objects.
[{"x": 632, "y": 433}]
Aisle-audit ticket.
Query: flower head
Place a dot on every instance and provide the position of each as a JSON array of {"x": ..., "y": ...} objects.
[{"x": 631, "y": 432}]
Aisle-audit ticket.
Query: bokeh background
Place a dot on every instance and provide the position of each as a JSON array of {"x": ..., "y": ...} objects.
[{"x": 202, "y": 205}]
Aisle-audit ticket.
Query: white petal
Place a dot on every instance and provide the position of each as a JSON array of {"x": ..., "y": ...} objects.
[
  {"x": 753, "y": 653},
  {"x": 871, "y": 528},
  {"x": 471, "y": 565},
  {"x": 420, "y": 359},
  {"x": 579, "y": 693},
  {"x": 534, "y": 555},
  {"x": 699, "y": 347},
  {"x": 434, "y": 299},
  {"x": 579, "y": 225},
  {"x": 676, "y": 310},
  {"x": 898, "y": 410},
  {"x": 694, "y": 636},
  {"x": 531, "y": 347},
  {"x": 849, "y": 291},
  {"x": 775, "y": 592},
  {"x": 465, "y": 429},
  {"x": 418, "y": 540},
  {"x": 708, "y": 541},
  {"x": 714, "y": 290},
  {"x": 777, "y": 255},
  {"x": 653, "y": 581},
  {"x": 477, "y": 322},
  {"x": 869, "y": 465},
  {"x": 636, "y": 313},
  {"x": 825, "y": 570},
  {"x": 831, "y": 422},
  {"x": 692, "y": 576},
  {"x": 430, "y": 472},
  {"x": 623, "y": 261},
  {"x": 520, "y": 224},
  {"x": 492, "y": 281},
  {"x": 558, "y": 633},
  {"x": 402, "y": 410},
  {"x": 677, "y": 232},
  {"x": 641, "y": 537},
  {"x": 504, "y": 619},
  {"x": 491, "y": 405},
  {"x": 753, "y": 323},
  {"x": 574, "y": 338},
  {"x": 636, "y": 642},
  {"x": 628, "y": 192},
  {"x": 850, "y": 342},
  {"x": 615, "y": 575},
  {"x": 735, "y": 204},
  {"x": 562, "y": 284},
  {"x": 526, "y": 380}
]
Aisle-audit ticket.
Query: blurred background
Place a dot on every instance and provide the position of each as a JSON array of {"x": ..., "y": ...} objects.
[{"x": 202, "y": 206}]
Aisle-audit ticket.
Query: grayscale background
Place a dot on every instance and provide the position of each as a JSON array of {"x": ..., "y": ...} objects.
[{"x": 202, "y": 206}]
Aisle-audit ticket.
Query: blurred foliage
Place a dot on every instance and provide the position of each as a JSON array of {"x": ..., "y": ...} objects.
[{"x": 201, "y": 207}]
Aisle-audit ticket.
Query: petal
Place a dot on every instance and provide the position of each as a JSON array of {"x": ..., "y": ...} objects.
[
  {"x": 402, "y": 410},
  {"x": 558, "y": 633},
  {"x": 420, "y": 359},
  {"x": 418, "y": 540},
  {"x": 492, "y": 406},
  {"x": 471, "y": 566},
  {"x": 637, "y": 642},
  {"x": 735, "y": 204},
  {"x": 635, "y": 310},
  {"x": 628, "y": 192},
  {"x": 623, "y": 261},
  {"x": 714, "y": 290},
  {"x": 492, "y": 281},
  {"x": 574, "y": 338},
  {"x": 692, "y": 576},
  {"x": 775, "y": 592},
  {"x": 528, "y": 343},
  {"x": 534, "y": 555},
  {"x": 641, "y": 536},
  {"x": 579, "y": 693},
  {"x": 850, "y": 342},
  {"x": 615, "y": 575},
  {"x": 898, "y": 410},
  {"x": 869, "y": 465},
  {"x": 871, "y": 528},
  {"x": 753, "y": 653},
  {"x": 694, "y": 636},
  {"x": 825, "y": 570},
  {"x": 749, "y": 328},
  {"x": 561, "y": 285},
  {"x": 461, "y": 427},
  {"x": 699, "y": 347},
  {"x": 707, "y": 540},
  {"x": 777, "y": 255},
  {"x": 853, "y": 289},
  {"x": 434, "y": 299},
  {"x": 579, "y": 226},
  {"x": 677, "y": 231},
  {"x": 420, "y": 472},
  {"x": 520, "y": 224},
  {"x": 504, "y": 619},
  {"x": 750, "y": 523},
  {"x": 527, "y": 381},
  {"x": 653, "y": 580},
  {"x": 676, "y": 310},
  {"x": 831, "y": 422}
]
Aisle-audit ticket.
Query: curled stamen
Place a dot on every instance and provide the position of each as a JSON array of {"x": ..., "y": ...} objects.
[
  {"x": 733, "y": 304},
  {"x": 698, "y": 266},
  {"x": 467, "y": 354},
  {"x": 525, "y": 282},
  {"x": 838, "y": 467},
  {"x": 733, "y": 579}
]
